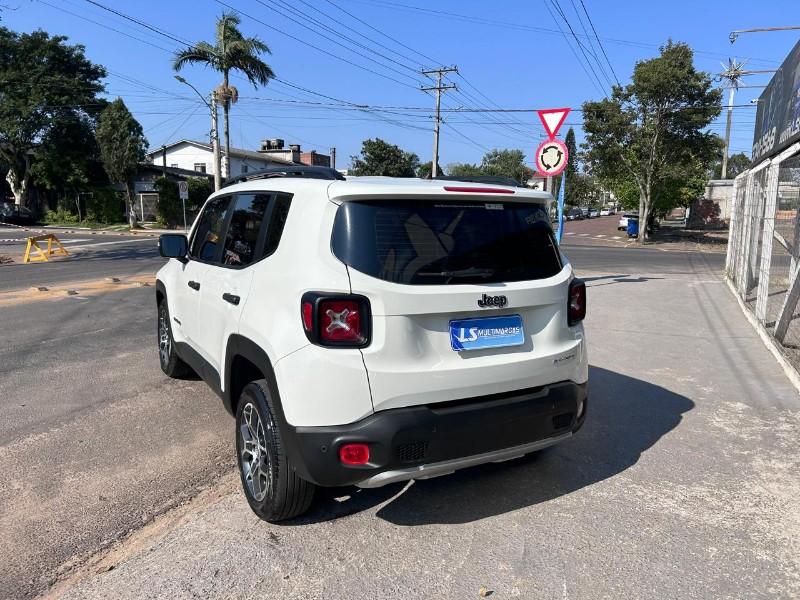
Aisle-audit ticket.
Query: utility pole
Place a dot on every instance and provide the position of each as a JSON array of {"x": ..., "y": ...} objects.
[
  {"x": 215, "y": 143},
  {"x": 333, "y": 157},
  {"x": 439, "y": 89},
  {"x": 214, "y": 131}
]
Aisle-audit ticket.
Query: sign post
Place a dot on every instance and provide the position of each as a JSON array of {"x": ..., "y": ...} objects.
[
  {"x": 552, "y": 156},
  {"x": 183, "y": 190}
]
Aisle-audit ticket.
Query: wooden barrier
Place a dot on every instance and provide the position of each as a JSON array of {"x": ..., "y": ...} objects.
[{"x": 33, "y": 243}]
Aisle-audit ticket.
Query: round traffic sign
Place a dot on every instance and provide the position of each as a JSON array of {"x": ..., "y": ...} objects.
[
  {"x": 183, "y": 186},
  {"x": 551, "y": 157}
]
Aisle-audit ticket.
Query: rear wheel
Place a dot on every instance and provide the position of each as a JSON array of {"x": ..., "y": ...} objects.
[
  {"x": 272, "y": 488},
  {"x": 171, "y": 363}
]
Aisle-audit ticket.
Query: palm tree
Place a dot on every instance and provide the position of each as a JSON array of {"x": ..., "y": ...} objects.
[{"x": 231, "y": 52}]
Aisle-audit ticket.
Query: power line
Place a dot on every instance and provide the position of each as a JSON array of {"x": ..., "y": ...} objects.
[
  {"x": 600, "y": 91},
  {"x": 305, "y": 43},
  {"x": 593, "y": 51},
  {"x": 344, "y": 37},
  {"x": 430, "y": 60},
  {"x": 581, "y": 47},
  {"x": 600, "y": 43}
]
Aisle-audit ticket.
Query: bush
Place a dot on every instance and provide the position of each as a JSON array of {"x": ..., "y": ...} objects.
[
  {"x": 169, "y": 212},
  {"x": 62, "y": 214},
  {"x": 105, "y": 205}
]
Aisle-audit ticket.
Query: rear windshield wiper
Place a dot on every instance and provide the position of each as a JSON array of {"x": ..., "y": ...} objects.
[{"x": 470, "y": 272}]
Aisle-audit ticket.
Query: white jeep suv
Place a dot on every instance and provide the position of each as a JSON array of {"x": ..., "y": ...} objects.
[{"x": 373, "y": 330}]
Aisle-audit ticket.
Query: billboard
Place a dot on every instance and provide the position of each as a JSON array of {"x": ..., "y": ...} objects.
[{"x": 778, "y": 115}]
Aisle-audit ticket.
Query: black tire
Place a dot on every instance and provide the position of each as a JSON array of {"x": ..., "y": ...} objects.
[
  {"x": 170, "y": 362},
  {"x": 272, "y": 487}
]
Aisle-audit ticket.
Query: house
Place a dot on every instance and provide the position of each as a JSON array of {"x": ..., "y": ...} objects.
[
  {"x": 146, "y": 196},
  {"x": 538, "y": 181},
  {"x": 196, "y": 156},
  {"x": 190, "y": 155},
  {"x": 274, "y": 148}
]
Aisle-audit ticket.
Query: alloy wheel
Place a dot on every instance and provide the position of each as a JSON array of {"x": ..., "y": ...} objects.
[{"x": 254, "y": 460}]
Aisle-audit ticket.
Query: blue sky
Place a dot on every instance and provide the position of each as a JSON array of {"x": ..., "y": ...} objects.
[{"x": 348, "y": 70}]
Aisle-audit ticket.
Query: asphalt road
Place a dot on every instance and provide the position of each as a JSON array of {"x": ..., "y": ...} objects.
[
  {"x": 91, "y": 255},
  {"x": 682, "y": 478},
  {"x": 94, "y": 441}
]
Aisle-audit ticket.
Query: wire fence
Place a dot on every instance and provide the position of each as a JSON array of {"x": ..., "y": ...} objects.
[{"x": 763, "y": 261}]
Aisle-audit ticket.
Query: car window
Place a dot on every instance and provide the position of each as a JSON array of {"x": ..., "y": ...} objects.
[
  {"x": 242, "y": 234},
  {"x": 205, "y": 242},
  {"x": 277, "y": 220},
  {"x": 433, "y": 242}
]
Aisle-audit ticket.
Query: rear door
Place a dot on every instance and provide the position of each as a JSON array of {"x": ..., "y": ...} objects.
[{"x": 467, "y": 296}]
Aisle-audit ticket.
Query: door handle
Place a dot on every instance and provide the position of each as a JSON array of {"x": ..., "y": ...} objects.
[
  {"x": 194, "y": 285},
  {"x": 231, "y": 298}
]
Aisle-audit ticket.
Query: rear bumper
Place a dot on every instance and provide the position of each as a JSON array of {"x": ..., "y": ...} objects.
[{"x": 426, "y": 441}]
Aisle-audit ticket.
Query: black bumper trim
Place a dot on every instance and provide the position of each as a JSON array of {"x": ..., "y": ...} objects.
[{"x": 419, "y": 435}]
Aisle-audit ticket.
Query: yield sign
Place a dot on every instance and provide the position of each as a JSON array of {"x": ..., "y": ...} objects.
[{"x": 552, "y": 119}]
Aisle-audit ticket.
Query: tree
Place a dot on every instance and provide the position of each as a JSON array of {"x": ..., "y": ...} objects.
[
  {"x": 463, "y": 169},
  {"x": 424, "y": 170},
  {"x": 231, "y": 52},
  {"x": 654, "y": 125},
  {"x": 506, "y": 163},
  {"x": 737, "y": 163},
  {"x": 122, "y": 147},
  {"x": 381, "y": 158},
  {"x": 45, "y": 85},
  {"x": 70, "y": 161}
]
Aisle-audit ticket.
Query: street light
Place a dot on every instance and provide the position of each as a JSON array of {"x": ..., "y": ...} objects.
[
  {"x": 214, "y": 131},
  {"x": 735, "y": 34}
]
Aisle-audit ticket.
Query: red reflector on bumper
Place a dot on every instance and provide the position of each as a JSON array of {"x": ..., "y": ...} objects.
[{"x": 354, "y": 454}]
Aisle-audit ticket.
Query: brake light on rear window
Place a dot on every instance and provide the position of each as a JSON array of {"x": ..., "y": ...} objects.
[
  {"x": 336, "y": 320},
  {"x": 478, "y": 190},
  {"x": 576, "y": 303}
]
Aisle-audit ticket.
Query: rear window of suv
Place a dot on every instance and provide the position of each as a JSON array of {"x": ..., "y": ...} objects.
[{"x": 430, "y": 242}]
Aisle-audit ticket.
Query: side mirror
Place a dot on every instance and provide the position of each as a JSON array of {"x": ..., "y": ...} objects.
[{"x": 173, "y": 245}]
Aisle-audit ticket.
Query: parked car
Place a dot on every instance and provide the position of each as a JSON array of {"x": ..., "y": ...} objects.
[
  {"x": 19, "y": 215},
  {"x": 593, "y": 212},
  {"x": 622, "y": 225},
  {"x": 434, "y": 325},
  {"x": 575, "y": 214},
  {"x": 604, "y": 212}
]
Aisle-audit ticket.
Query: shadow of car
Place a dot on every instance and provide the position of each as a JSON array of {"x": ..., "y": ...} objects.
[{"x": 17, "y": 215}]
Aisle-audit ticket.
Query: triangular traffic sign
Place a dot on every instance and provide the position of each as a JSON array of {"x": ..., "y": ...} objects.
[{"x": 553, "y": 119}]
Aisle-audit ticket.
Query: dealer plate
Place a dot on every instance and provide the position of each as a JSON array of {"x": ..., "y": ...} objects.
[{"x": 491, "y": 332}]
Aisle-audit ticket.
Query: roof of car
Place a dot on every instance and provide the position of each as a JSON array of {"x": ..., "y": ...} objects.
[{"x": 394, "y": 187}]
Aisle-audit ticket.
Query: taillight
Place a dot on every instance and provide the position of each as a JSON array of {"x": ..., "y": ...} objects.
[
  {"x": 354, "y": 454},
  {"x": 336, "y": 319},
  {"x": 576, "y": 303},
  {"x": 340, "y": 321}
]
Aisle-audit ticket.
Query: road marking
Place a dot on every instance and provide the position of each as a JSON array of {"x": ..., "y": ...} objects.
[
  {"x": 583, "y": 234},
  {"x": 602, "y": 235},
  {"x": 81, "y": 289},
  {"x": 92, "y": 245},
  {"x": 570, "y": 233}
]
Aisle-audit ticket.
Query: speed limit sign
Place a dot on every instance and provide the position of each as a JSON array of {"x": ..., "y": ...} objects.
[{"x": 183, "y": 188}]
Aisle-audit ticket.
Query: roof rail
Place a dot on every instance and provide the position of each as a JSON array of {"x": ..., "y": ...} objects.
[
  {"x": 491, "y": 179},
  {"x": 305, "y": 171}
]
